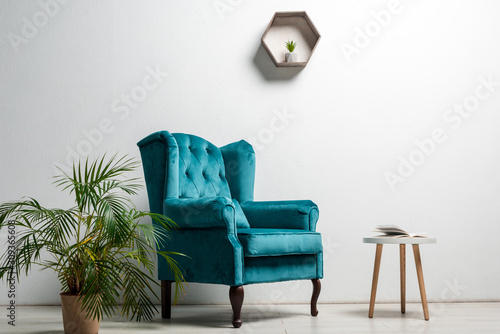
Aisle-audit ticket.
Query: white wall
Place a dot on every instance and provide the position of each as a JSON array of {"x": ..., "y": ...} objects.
[{"x": 350, "y": 122}]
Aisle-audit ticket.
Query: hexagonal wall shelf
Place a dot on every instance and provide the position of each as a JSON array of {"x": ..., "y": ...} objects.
[{"x": 285, "y": 26}]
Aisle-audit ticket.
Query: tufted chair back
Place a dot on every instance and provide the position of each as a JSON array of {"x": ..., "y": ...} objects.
[
  {"x": 178, "y": 165},
  {"x": 201, "y": 168}
]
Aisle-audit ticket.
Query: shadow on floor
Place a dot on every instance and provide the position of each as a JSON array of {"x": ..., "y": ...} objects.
[
  {"x": 223, "y": 319},
  {"x": 389, "y": 311}
]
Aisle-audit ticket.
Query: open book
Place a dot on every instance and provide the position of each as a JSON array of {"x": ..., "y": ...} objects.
[{"x": 394, "y": 231}]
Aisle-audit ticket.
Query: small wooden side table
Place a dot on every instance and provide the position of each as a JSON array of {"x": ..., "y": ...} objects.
[{"x": 402, "y": 242}]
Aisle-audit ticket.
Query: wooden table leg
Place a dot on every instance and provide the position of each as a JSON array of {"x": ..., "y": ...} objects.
[
  {"x": 402, "y": 267},
  {"x": 420, "y": 275},
  {"x": 378, "y": 257}
]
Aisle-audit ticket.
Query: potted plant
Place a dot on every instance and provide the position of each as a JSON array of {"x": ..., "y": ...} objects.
[
  {"x": 102, "y": 251},
  {"x": 290, "y": 57}
]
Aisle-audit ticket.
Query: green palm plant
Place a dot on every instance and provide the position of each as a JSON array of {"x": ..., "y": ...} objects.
[{"x": 100, "y": 248}]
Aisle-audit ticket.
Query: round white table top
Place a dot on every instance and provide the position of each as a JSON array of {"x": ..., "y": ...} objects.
[{"x": 389, "y": 240}]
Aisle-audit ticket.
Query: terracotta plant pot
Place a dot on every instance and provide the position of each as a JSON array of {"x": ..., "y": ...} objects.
[{"x": 74, "y": 319}]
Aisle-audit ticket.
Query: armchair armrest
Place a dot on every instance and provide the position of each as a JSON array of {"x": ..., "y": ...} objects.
[
  {"x": 301, "y": 215},
  {"x": 201, "y": 213},
  {"x": 207, "y": 235}
]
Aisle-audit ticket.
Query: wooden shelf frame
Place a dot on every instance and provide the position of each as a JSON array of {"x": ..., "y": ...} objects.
[{"x": 296, "y": 26}]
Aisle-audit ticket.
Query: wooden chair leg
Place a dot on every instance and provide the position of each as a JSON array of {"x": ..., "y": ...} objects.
[
  {"x": 236, "y": 295},
  {"x": 376, "y": 268},
  {"x": 314, "y": 299},
  {"x": 402, "y": 267},
  {"x": 166, "y": 299},
  {"x": 420, "y": 276}
]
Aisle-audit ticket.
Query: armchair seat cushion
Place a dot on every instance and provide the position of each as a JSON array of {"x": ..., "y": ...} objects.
[{"x": 275, "y": 242}]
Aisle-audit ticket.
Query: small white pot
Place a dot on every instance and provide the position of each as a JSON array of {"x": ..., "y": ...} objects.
[{"x": 290, "y": 57}]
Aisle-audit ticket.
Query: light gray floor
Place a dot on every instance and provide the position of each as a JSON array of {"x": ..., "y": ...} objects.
[{"x": 289, "y": 319}]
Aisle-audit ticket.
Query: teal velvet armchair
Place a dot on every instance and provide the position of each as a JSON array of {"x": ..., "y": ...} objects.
[{"x": 230, "y": 238}]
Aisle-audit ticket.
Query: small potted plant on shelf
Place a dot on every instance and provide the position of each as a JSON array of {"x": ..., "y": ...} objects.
[
  {"x": 100, "y": 249},
  {"x": 290, "y": 57}
]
